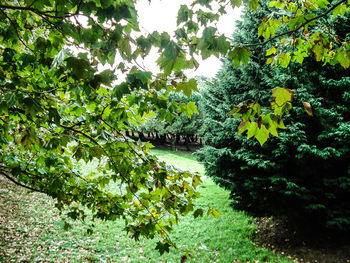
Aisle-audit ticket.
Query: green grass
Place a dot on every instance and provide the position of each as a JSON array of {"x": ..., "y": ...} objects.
[
  {"x": 183, "y": 160},
  {"x": 227, "y": 239}
]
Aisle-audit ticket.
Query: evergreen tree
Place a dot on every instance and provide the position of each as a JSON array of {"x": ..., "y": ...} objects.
[{"x": 303, "y": 174}]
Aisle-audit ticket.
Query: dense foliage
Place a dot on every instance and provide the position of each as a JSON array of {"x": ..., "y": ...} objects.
[
  {"x": 303, "y": 174},
  {"x": 58, "y": 109}
]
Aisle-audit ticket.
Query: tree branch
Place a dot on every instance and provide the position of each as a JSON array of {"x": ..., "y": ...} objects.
[
  {"x": 120, "y": 174},
  {"x": 299, "y": 27},
  {"x": 19, "y": 184},
  {"x": 34, "y": 10},
  {"x": 14, "y": 26}
]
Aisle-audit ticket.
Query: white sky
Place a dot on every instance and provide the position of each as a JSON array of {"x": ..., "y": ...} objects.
[{"x": 161, "y": 15}]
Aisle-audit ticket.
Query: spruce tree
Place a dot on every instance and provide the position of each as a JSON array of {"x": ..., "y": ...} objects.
[{"x": 303, "y": 174}]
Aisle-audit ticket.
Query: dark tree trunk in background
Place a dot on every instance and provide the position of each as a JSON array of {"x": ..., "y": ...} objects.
[
  {"x": 187, "y": 139},
  {"x": 141, "y": 136}
]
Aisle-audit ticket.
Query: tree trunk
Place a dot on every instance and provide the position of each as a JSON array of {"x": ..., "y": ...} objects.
[
  {"x": 163, "y": 138},
  {"x": 178, "y": 138},
  {"x": 141, "y": 136},
  {"x": 173, "y": 142},
  {"x": 187, "y": 138}
]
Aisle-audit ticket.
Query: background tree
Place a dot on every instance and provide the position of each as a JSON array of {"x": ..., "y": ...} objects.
[
  {"x": 301, "y": 175},
  {"x": 186, "y": 124}
]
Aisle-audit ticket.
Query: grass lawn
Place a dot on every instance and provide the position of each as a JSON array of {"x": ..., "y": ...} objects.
[{"x": 32, "y": 231}]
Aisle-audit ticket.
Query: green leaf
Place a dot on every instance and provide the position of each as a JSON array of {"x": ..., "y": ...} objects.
[
  {"x": 187, "y": 87},
  {"x": 166, "y": 64},
  {"x": 236, "y": 3},
  {"x": 262, "y": 135},
  {"x": 180, "y": 63},
  {"x": 67, "y": 226},
  {"x": 240, "y": 55},
  {"x": 162, "y": 247},
  {"x": 80, "y": 67},
  {"x": 191, "y": 108},
  {"x": 222, "y": 45},
  {"x": 198, "y": 213},
  {"x": 107, "y": 77},
  {"x": 79, "y": 152},
  {"x": 125, "y": 47},
  {"x": 11, "y": 99},
  {"x": 284, "y": 59},
  {"x": 59, "y": 58},
  {"x": 253, "y": 4},
  {"x": 54, "y": 115},
  {"x": 252, "y": 130},
  {"x": 120, "y": 90},
  {"x": 184, "y": 14}
]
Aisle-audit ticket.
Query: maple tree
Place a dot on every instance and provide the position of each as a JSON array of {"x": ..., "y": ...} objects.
[{"x": 57, "y": 109}]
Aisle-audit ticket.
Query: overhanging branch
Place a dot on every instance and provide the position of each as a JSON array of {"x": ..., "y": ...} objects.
[
  {"x": 18, "y": 183},
  {"x": 34, "y": 10},
  {"x": 298, "y": 28}
]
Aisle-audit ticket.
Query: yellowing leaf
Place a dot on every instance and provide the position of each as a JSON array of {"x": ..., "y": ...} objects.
[
  {"x": 271, "y": 51},
  {"x": 343, "y": 57},
  {"x": 282, "y": 95},
  {"x": 213, "y": 212},
  {"x": 340, "y": 9},
  {"x": 192, "y": 106},
  {"x": 273, "y": 129},
  {"x": 280, "y": 124},
  {"x": 308, "y": 108},
  {"x": 243, "y": 127}
]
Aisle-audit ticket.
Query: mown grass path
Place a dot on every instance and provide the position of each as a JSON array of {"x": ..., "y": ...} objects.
[{"x": 32, "y": 231}]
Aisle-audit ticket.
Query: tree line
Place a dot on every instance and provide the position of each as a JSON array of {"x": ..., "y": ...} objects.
[{"x": 182, "y": 129}]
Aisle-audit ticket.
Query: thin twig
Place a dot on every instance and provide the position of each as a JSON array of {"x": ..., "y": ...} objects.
[{"x": 15, "y": 28}]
